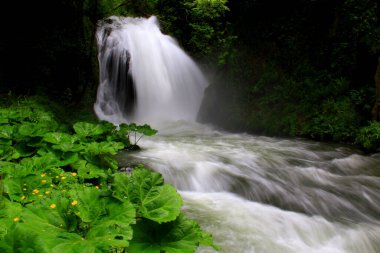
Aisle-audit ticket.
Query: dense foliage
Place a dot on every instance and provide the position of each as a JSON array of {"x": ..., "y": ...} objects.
[
  {"x": 293, "y": 68},
  {"x": 300, "y": 68},
  {"x": 61, "y": 190}
]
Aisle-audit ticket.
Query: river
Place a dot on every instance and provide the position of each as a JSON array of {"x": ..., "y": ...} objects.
[{"x": 257, "y": 194}]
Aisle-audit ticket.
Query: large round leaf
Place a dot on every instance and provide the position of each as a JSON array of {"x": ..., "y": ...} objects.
[
  {"x": 146, "y": 189},
  {"x": 180, "y": 236}
]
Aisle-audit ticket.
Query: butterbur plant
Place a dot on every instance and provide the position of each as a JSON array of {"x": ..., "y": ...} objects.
[
  {"x": 62, "y": 192},
  {"x": 82, "y": 220},
  {"x": 139, "y": 213}
]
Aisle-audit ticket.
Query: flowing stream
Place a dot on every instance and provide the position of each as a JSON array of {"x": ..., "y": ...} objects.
[
  {"x": 254, "y": 194},
  {"x": 267, "y": 195}
]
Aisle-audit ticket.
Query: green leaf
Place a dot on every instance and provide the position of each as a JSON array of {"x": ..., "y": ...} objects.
[
  {"x": 12, "y": 187},
  {"x": 59, "y": 138},
  {"x": 9, "y": 211},
  {"x": 105, "y": 147},
  {"x": 146, "y": 189},
  {"x": 25, "y": 234},
  {"x": 36, "y": 230},
  {"x": 14, "y": 169},
  {"x": 109, "y": 161},
  {"x": 5, "y": 165},
  {"x": 3, "y": 120},
  {"x": 57, "y": 158},
  {"x": 78, "y": 245},
  {"x": 35, "y": 129},
  {"x": 9, "y": 153},
  {"x": 69, "y": 147},
  {"x": 180, "y": 236},
  {"x": 19, "y": 114},
  {"x": 25, "y": 185},
  {"x": 115, "y": 228},
  {"x": 6, "y": 132},
  {"x": 162, "y": 204},
  {"x": 146, "y": 130},
  {"x": 90, "y": 204},
  {"x": 40, "y": 163},
  {"x": 132, "y": 127},
  {"x": 50, "y": 229},
  {"x": 20, "y": 240},
  {"x": 85, "y": 129},
  {"x": 87, "y": 245},
  {"x": 124, "y": 129},
  {"x": 3, "y": 230},
  {"x": 208, "y": 240},
  {"x": 5, "y": 149},
  {"x": 88, "y": 170},
  {"x": 120, "y": 135},
  {"x": 56, "y": 216},
  {"x": 23, "y": 150},
  {"x": 5, "y": 142}
]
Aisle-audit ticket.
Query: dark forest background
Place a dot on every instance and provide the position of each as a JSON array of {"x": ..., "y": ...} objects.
[{"x": 302, "y": 68}]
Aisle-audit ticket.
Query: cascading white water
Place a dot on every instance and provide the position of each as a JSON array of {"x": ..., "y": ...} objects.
[
  {"x": 254, "y": 194},
  {"x": 267, "y": 195},
  {"x": 163, "y": 82}
]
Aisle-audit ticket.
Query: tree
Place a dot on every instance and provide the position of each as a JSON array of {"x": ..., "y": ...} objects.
[
  {"x": 364, "y": 18},
  {"x": 376, "y": 106}
]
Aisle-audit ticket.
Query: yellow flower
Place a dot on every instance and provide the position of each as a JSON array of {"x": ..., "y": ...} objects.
[
  {"x": 16, "y": 219},
  {"x": 43, "y": 174},
  {"x": 22, "y": 197},
  {"x": 35, "y": 191},
  {"x": 97, "y": 187},
  {"x": 51, "y": 185},
  {"x": 74, "y": 174},
  {"x": 47, "y": 192},
  {"x": 53, "y": 206},
  {"x": 74, "y": 203},
  {"x": 43, "y": 181},
  {"x": 63, "y": 178}
]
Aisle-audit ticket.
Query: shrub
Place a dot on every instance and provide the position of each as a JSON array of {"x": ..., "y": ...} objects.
[{"x": 369, "y": 137}]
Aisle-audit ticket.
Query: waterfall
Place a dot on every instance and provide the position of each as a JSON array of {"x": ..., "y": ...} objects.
[
  {"x": 254, "y": 194},
  {"x": 145, "y": 76}
]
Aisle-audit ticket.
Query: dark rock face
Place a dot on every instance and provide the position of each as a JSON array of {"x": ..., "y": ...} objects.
[{"x": 125, "y": 92}]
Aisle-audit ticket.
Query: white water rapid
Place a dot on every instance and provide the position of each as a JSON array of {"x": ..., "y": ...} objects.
[
  {"x": 266, "y": 195},
  {"x": 254, "y": 194}
]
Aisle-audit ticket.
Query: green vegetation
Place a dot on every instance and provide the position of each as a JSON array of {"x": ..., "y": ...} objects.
[
  {"x": 307, "y": 68},
  {"x": 61, "y": 189},
  {"x": 199, "y": 25},
  {"x": 369, "y": 137},
  {"x": 300, "y": 69}
]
